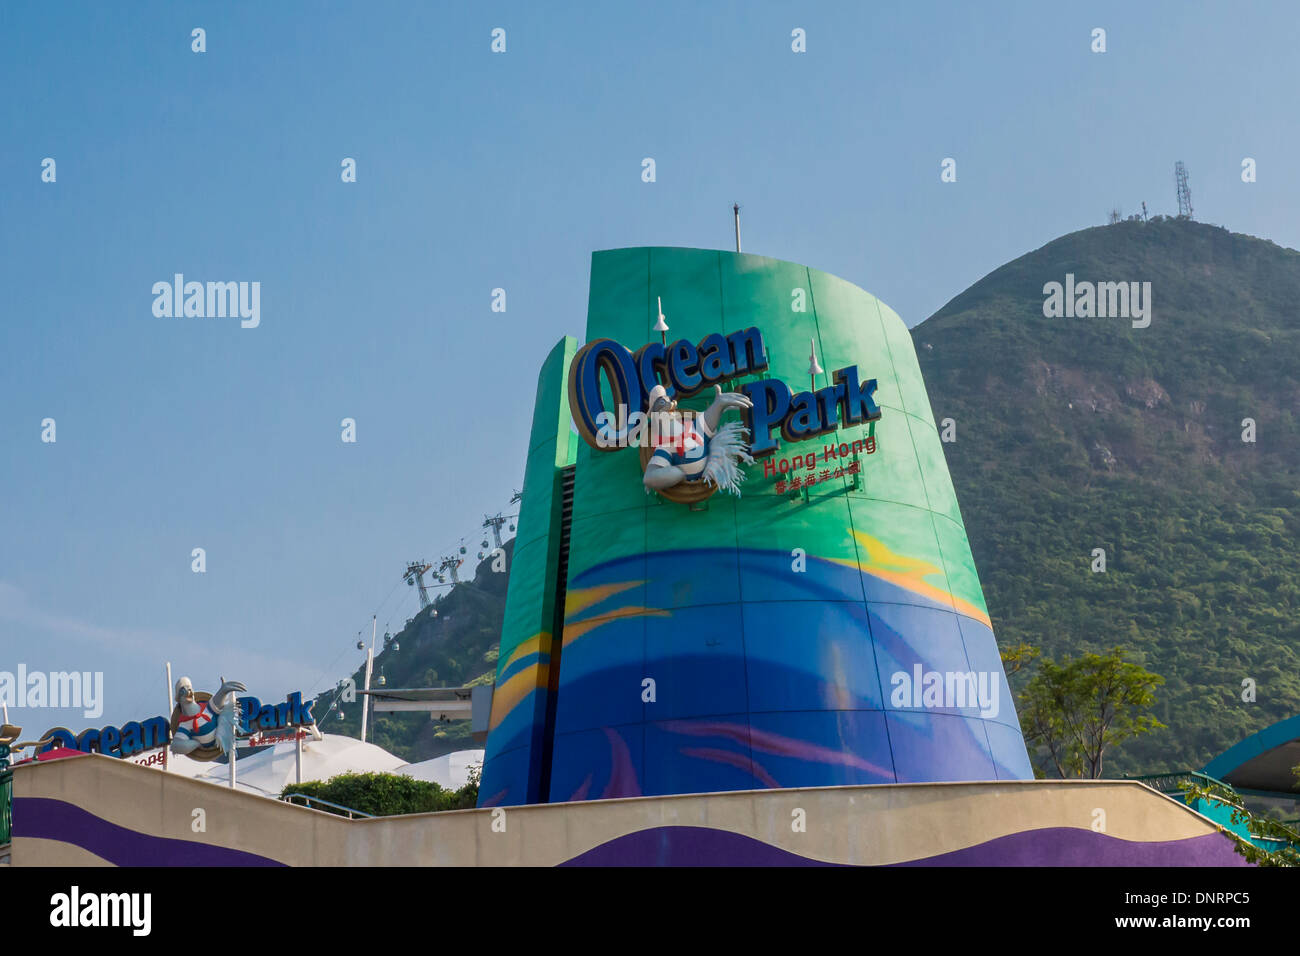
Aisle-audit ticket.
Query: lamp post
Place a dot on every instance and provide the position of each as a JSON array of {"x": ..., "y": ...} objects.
[
  {"x": 661, "y": 326},
  {"x": 370, "y": 661}
]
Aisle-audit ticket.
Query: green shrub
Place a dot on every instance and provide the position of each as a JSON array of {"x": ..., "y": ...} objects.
[{"x": 387, "y": 794}]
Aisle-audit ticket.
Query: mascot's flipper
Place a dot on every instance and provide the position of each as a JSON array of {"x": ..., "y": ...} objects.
[
  {"x": 226, "y": 693},
  {"x": 226, "y": 730},
  {"x": 727, "y": 449}
]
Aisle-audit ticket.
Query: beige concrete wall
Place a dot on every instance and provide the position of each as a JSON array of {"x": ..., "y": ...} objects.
[{"x": 857, "y": 825}]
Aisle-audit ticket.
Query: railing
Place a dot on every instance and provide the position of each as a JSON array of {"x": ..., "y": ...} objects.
[
  {"x": 1168, "y": 783},
  {"x": 1219, "y": 808},
  {"x": 6, "y": 796},
  {"x": 325, "y": 805}
]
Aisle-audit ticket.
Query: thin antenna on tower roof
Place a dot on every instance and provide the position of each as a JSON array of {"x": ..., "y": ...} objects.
[{"x": 735, "y": 209}]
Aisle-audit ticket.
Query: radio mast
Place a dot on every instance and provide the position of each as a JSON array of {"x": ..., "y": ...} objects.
[{"x": 1184, "y": 192}]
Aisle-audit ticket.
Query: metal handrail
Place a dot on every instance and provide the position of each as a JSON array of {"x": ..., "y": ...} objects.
[
  {"x": 6, "y": 797},
  {"x": 289, "y": 798},
  {"x": 1163, "y": 782},
  {"x": 1170, "y": 783}
]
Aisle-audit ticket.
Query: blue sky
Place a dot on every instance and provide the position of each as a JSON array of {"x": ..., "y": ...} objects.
[{"x": 475, "y": 171}]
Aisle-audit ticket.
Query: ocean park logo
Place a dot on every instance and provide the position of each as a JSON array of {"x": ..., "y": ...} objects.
[
  {"x": 205, "y": 727},
  {"x": 132, "y": 738},
  {"x": 686, "y": 456},
  {"x": 256, "y": 717},
  {"x": 202, "y": 726},
  {"x": 211, "y": 300},
  {"x": 74, "y": 690},
  {"x": 1100, "y": 300},
  {"x": 957, "y": 690}
]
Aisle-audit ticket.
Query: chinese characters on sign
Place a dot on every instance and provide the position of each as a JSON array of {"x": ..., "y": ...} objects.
[{"x": 801, "y": 471}]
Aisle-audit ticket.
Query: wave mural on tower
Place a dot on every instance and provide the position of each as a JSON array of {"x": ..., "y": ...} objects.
[{"x": 821, "y": 632}]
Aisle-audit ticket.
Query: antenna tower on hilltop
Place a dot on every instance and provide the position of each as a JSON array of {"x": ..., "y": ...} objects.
[{"x": 1184, "y": 192}]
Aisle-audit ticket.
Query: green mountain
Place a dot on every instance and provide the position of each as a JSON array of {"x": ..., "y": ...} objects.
[
  {"x": 453, "y": 647},
  {"x": 1080, "y": 433}
]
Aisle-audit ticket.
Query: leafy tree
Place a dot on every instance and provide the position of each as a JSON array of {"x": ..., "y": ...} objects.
[
  {"x": 1074, "y": 711},
  {"x": 1019, "y": 658}
]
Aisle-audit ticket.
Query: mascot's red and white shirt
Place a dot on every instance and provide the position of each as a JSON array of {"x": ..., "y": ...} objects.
[
  {"x": 198, "y": 725},
  {"x": 685, "y": 445}
]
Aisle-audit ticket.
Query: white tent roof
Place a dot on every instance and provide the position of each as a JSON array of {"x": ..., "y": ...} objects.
[
  {"x": 450, "y": 771},
  {"x": 187, "y": 766},
  {"x": 269, "y": 771}
]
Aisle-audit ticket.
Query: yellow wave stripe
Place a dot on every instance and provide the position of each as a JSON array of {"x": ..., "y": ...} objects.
[
  {"x": 511, "y": 693},
  {"x": 576, "y": 629},
  {"x": 531, "y": 645},
  {"x": 514, "y": 690},
  {"x": 579, "y": 599},
  {"x": 908, "y": 572}
]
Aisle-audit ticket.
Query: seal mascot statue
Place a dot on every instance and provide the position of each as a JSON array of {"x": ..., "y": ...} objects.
[
  {"x": 203, "y": 725},
  {"x": 697, "y": 448}
]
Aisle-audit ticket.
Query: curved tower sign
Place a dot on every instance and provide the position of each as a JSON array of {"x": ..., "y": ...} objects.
[{"x": 826, "y": 626}]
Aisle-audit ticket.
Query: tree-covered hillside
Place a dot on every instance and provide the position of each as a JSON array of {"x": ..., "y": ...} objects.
[
  {"x": 455, "y": 647},
  {"x": 1074, "y": 434}
]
